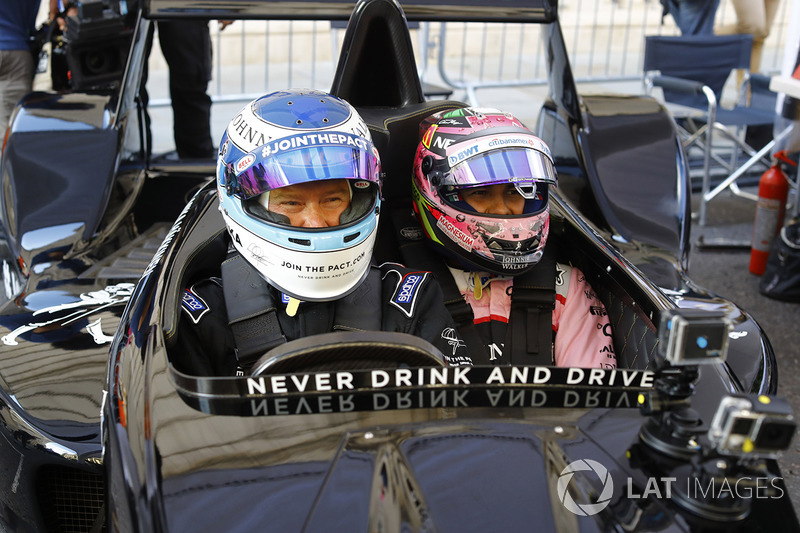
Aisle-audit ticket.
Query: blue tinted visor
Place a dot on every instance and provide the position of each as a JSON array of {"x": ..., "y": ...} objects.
[
  {"x": 507, "y": 165},
  {"x": 287, "y": 162}
]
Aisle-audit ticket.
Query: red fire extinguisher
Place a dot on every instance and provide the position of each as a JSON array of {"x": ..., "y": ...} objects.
[{"x": 773, "y": 190}]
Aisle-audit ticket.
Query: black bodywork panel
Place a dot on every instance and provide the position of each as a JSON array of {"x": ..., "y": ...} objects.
[{"x": 98, "y": 240}]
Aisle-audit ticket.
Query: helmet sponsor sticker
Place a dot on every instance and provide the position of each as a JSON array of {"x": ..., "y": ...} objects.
[
  {"x": 463, "y": 151},
  {"x": 313, "y": 266},
  {"x": 426, "y": 139},
  {"x": 515, "y": 262},
  {"x": 315, "y": 139},
  {"x": 456, "y": 113},
  {"x": 361, "y": 184},
  {"x": 455, "y": 233},
  {"x": 245, "y": 134},
  {"x": 461, "y": 155},
  {"x": 245, "y": 163},
  {"x": 454, "y": 122},
  {"x": 441, "y": 142}
]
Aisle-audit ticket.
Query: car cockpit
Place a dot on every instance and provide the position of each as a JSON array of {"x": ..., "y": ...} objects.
[{"x": 378, "y": 77}]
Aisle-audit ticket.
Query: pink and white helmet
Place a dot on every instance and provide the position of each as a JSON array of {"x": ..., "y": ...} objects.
[{"x": 473, "y": 147}]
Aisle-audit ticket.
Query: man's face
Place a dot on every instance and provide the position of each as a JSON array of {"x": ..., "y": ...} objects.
[
  {"x": 314, "y": 204},
  {"x": 499, "y": 199}
]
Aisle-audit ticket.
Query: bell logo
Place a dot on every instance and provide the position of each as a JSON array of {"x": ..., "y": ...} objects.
[
  {"x": 587, "y": 509},
  {"x": 245, "y": 162}
]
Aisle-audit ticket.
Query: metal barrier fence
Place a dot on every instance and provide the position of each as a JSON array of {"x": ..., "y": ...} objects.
[{"x": 605, "y": 40}]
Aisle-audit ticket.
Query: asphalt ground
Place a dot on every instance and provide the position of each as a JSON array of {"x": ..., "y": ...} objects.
[{"x": 725, "y": 272}]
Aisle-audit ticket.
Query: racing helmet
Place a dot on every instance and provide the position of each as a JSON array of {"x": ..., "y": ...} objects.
[
  {"x": 289, "y": 138},
  {"x": 471, "y": 147}
]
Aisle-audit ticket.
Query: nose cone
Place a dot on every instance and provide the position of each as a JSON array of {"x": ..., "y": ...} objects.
[{"x": 474, "y": 475}]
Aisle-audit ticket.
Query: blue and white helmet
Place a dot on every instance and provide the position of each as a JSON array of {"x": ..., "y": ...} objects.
[{"x": 287, "y": 138}]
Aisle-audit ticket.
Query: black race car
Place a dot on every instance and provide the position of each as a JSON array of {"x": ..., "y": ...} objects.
[{"x": 359, "y": 431}]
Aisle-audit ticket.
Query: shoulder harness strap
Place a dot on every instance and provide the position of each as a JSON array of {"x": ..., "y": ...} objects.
[
  {"x": 530, "y": 332},
  {"x": 361, "y": 309},
  {"x": 415, "y": 252},
  {"x": 252, "y": 313}
]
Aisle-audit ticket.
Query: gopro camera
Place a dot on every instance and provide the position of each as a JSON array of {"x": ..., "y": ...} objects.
[
  {"x": 693, "y": 336},
  {"x": 752, "y": 426}
]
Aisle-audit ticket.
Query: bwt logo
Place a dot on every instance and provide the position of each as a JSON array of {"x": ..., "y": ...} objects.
[
  {"x": 462, "y": 155},
  {"x": 587, "y": 509}
]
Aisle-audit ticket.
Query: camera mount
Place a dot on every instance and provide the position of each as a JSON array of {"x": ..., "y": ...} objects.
[
  {"x": 687, "y": 338},
  {"x": 702, "y": 461}
]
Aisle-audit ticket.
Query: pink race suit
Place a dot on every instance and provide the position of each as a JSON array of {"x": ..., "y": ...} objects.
[{"x": 580, "y": 320}]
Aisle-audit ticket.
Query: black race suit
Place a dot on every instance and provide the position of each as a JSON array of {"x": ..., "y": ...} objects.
[{"x": 391, "y": 298}]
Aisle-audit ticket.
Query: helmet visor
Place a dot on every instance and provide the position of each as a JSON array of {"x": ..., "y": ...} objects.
[
  {"x": 507, "y": 165},
  {"x": 288, "y": 163},
  {"x": 520, "y": 198}
]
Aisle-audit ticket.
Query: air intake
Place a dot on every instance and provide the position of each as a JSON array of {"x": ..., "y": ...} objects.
[{"x": 71, "y": 499}]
